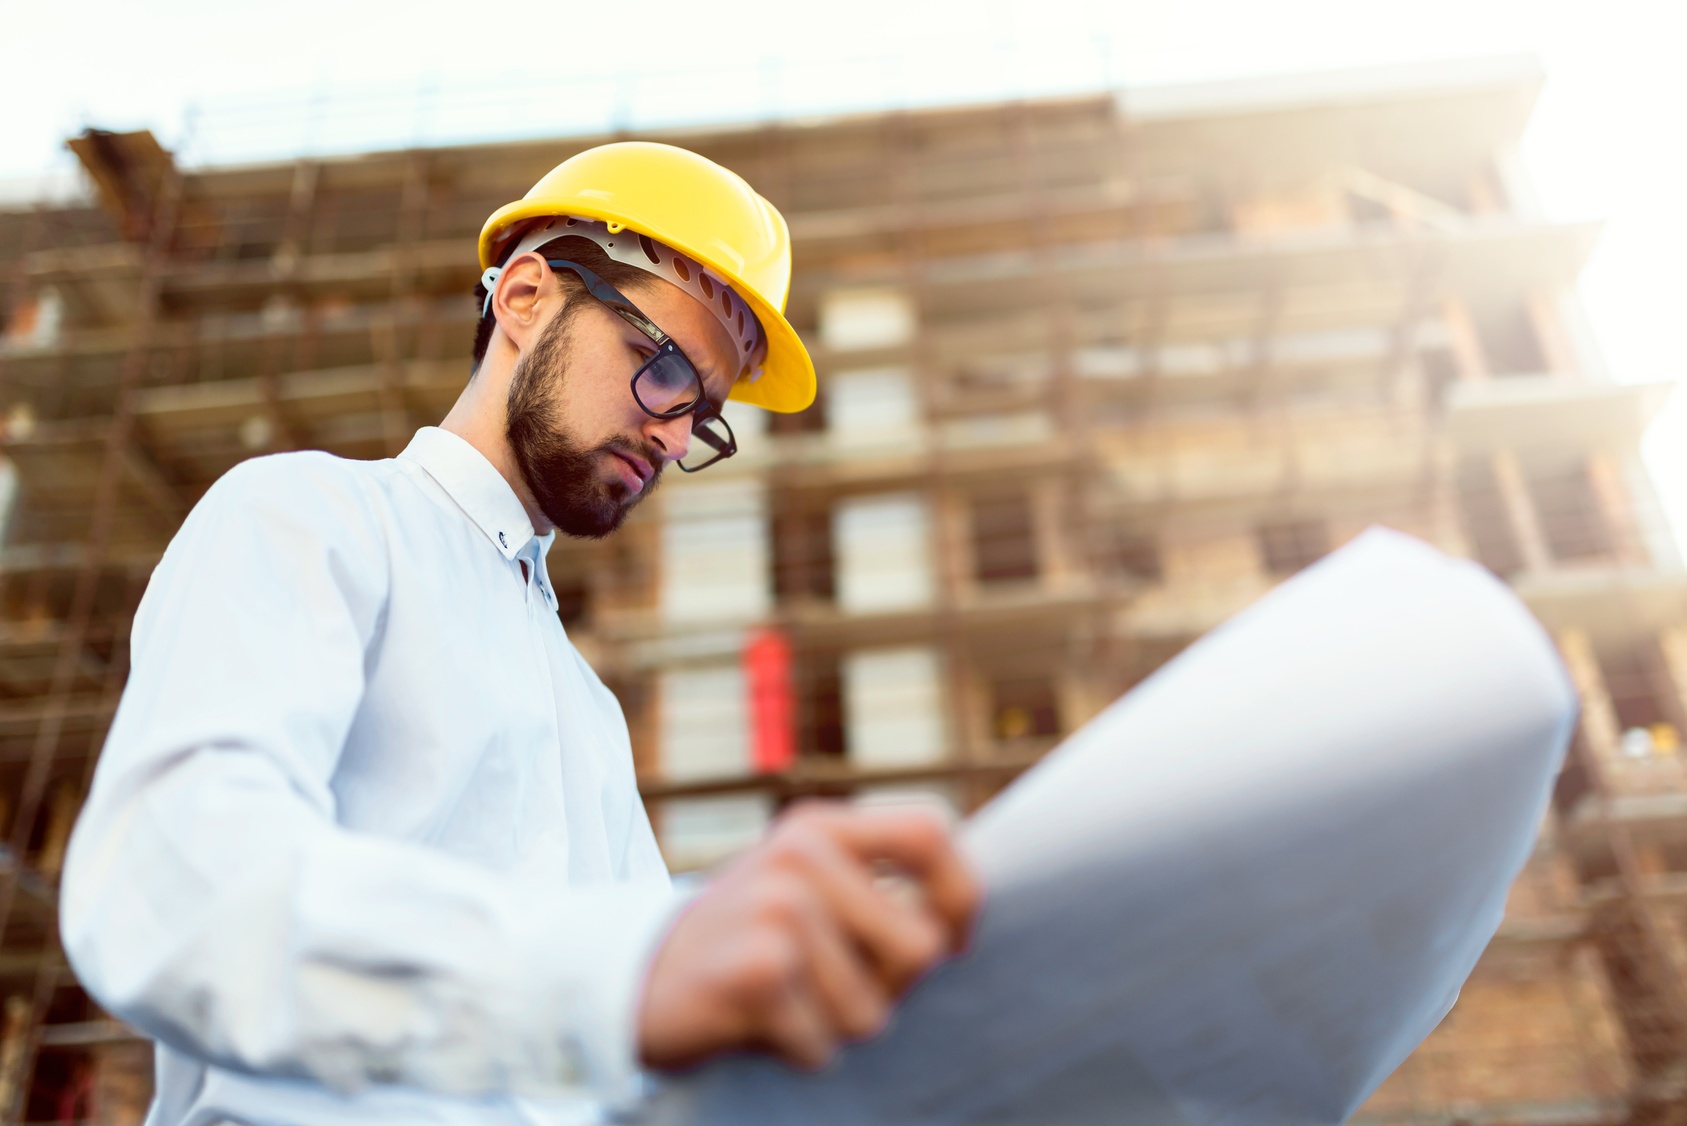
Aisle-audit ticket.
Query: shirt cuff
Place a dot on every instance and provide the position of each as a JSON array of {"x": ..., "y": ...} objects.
[{"x": 589, "y": 952}]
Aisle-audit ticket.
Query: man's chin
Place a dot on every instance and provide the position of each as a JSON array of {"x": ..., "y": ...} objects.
[
  {"x": 591, "y": 521},
  {"x": 594, "y": 528}
]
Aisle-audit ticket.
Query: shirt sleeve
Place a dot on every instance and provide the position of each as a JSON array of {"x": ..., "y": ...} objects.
[{"x": 211, "y": 899}]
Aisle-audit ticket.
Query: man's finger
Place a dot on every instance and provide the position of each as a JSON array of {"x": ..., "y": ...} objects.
[
  {"x": 796, "y": 1029},
  {"x": 855, "y": 1001},
  {"x": 900, "y": 938},
  {"x": 918, "y": 844}
]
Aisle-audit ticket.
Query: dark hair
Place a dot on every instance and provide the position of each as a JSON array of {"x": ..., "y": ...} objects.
[{"x": 576, "y": 249}]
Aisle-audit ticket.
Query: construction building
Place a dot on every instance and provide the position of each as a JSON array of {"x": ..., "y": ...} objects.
[{"x": 1096, "y": 372}]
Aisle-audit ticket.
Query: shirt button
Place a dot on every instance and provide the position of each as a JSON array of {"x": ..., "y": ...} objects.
[{"x": 502, "y": 541}]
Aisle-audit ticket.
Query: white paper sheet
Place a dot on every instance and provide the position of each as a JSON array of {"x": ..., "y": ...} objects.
[{"x": 1245, "y": 892}]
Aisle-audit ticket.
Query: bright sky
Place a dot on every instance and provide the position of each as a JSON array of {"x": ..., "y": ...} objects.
[{"x": 224, "y": 80}]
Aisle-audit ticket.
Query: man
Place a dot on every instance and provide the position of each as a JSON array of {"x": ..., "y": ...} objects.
[{"x": 364, "y": 844}]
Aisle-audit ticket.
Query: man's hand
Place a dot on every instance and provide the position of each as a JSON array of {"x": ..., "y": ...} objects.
[{"x": 802, "y": 944}]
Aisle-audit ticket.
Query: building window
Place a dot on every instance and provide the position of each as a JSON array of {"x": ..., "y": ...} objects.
[
  {"x": 1487, "y": 524},
  {"x": 1023, "y": 708},
  {"x": 573, "y": 601},
  {"x": 1368, "y": 211},
  {"x": 1440, "y": 370},
  {"x": 1289, "y": 545},
  {"x": 635, "y": 696},
  {"x": 803, "y": 564},
  {"x": 1004, "y": 547},
  {"x": 1509, "y": 341},
  {"x": 1130, "y": 553},
  {"x": 33, "y": 323},
  {"x": 1573, "y": 783},
  {"x": 820, "y": 709},
  {"x": 810, "y": 421},
  {"x": 1446, "y": 187},
  {"x": 1572, "y": 520},
  {"x": 1641, "y": 689}
]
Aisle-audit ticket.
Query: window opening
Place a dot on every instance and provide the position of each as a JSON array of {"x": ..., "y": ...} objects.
[
  {"x": 1023, "y": 708},
  {"x": 1509, "y": 340},
  {"x": 1004, "y": 545},
  {"x": 1572, "y": 520},
  {"x": 1639, "y": 688},
  {"x": 804, "y": 567},
  {"x": 1487, "y": 523},
  {"x": 1290, "y": 545}
]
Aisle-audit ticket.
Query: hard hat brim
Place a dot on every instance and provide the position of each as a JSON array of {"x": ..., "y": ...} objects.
[{"x": 787, "y": 383}]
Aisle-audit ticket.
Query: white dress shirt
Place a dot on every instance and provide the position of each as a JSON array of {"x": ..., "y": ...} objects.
[{"x": 365, "y": 845}]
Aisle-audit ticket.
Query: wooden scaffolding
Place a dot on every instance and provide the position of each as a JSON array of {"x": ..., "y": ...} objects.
[{"x": 1096, "y": 372}]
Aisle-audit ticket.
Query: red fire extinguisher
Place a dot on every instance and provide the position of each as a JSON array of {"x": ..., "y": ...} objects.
[{"x": 773, "y": 712}]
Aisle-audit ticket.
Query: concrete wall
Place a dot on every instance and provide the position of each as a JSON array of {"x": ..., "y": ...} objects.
[
  {"x": 715, "y": 564},
  {"x": 883, "y": 551},
  {"x": 704, "y": 733},
  {"x": 893, "y": 707}
]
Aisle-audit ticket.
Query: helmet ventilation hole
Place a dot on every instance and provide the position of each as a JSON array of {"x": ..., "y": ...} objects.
[{"x": 735, "y": 315}]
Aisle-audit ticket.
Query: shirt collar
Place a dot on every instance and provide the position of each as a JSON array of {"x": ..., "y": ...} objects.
[
  {"x": 535, "y": 554},
  {"x": 476, "y": 485}
]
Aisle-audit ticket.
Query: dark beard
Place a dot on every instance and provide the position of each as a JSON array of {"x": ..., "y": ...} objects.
[{"x": 563, "y": 477}]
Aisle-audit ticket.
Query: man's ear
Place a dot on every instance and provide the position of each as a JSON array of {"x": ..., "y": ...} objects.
[{"x": 520, "y": 300}]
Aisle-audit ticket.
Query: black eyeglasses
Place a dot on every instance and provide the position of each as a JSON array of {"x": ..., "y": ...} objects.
[{"x": 666, "y": 385}]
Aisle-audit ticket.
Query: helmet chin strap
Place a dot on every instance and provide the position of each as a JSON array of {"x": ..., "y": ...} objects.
[{"x": 633, "y": 249}]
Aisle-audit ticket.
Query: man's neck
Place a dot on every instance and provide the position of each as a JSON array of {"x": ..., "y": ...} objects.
[{"x": 478, "y": 418}]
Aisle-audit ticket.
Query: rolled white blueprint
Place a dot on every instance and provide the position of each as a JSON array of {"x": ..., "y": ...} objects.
[{"x": 1242, "y": 894}]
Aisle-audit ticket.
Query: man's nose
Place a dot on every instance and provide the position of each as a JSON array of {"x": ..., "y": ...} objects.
[{"x": 670, "y": 436}]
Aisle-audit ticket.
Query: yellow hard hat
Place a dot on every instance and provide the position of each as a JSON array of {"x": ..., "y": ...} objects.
[{"x": 693, "y": 205}]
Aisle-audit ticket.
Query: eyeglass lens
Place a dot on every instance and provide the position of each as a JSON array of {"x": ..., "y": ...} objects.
[
  {"x": 668, "y": 385},
  {"x": 711, "y": 440}
]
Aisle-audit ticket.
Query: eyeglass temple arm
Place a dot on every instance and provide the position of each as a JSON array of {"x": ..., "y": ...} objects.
[
  {"x": 713, "y": 440},
  {"x": 612, "y": 297}
]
